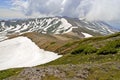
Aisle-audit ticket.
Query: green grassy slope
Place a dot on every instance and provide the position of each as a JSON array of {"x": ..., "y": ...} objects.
[
  {"x": 90, "y": 50},
  {"x": 101, "y": 54}
]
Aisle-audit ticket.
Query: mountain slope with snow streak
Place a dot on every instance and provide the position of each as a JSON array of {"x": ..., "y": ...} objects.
[
  {"x": 41, "y": 25},
  {"x": 22, "y": 52},
  {"x": 54, "y": 25}
]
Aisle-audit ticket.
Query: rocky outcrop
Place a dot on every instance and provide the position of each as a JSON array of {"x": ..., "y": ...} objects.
[{"x": 61, "y": 72}]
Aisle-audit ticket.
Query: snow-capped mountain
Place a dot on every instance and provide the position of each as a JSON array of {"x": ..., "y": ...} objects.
[
  {"x": 53, "y": 25},
  {"x": 41, "y": 25}
]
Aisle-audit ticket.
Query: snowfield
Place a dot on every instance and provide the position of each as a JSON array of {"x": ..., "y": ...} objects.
[
  {"x": 87, "y": 35},
  {"x": 22, "y": 52}
]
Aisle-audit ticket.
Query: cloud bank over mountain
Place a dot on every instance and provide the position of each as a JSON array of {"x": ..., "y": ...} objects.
[{"x": 105, "y": 10}]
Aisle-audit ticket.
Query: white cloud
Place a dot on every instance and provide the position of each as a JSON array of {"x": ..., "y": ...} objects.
[
  {"x": 105, "y": 10},
  {"x": 90, "y": 9},
  {"x": 8, "y": 13}
]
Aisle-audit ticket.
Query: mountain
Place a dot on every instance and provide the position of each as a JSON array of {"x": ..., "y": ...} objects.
[
  {"x": 55, "y": 25},
  {"x": 86, "y": 48}
]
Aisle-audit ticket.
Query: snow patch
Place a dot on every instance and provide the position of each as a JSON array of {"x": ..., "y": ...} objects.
[
  {"x": 3, "y": 36},
  {"x": 65, "y": 26},
  {"x": 22, "y": 52},
  {"x": 86, "y": 35}
]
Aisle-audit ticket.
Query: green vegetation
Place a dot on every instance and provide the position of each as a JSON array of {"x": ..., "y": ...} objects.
[
  {"x": 85, "y": 49},
  {"x": 7, "y": 73},
  {"x": 91, "y": 50},
  {"x": 104, "y": 72},
  {"x": 68, "y": 44},
  {"x": 107, "y": 50},
  {"x": 110, "y": 48},
  {"x": 103, "y": 52},
  {"x": 85, "y": 59},
  {"x": 52, "y": 43},
  {"x": 50, "y": 77}
]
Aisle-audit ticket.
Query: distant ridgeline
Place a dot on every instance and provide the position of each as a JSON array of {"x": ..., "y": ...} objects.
[{"x": 54, "y": 25}]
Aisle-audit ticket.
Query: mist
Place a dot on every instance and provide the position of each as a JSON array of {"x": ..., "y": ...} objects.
[
  {"x": 105, "y": 10},
  {"x": 92, "y": 10}
]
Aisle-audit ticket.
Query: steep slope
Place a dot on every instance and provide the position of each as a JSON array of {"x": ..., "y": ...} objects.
[{"x": 54, "y": 25}]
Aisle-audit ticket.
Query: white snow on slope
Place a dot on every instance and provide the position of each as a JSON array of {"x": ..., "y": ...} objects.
[
  {"x": 64, "y": 26},
  {"x": 86, "y": 35},
  {"x": 3, "y": 36},
  {"x": 22, "y": 52},
  {"x": 43, "y": 25}
]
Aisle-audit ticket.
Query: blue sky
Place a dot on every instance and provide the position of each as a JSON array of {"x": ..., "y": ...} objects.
[
  {"x": 5, "y": 4},
  {"x": 6, "y": 10}
]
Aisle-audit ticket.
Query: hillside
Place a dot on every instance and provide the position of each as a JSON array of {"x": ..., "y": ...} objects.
[
  {"x": 54, "y": 25},
  {"x": 83, "y": 59}
]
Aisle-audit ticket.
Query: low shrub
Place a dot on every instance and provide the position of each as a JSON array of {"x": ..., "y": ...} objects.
[
  {"x": 107, "y": 50},
  {"x": 114, "y": 44},
  {"x": 90, "y": 49},
  {"x": 52, "y": 43},
  {"x": 78, "y": 50},
  {"x": 85, "y": 49},
  {"x": 110, "y": 48}
]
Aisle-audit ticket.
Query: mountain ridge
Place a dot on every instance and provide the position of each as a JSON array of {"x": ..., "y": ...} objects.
[{"x": 54, "y": 25}]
